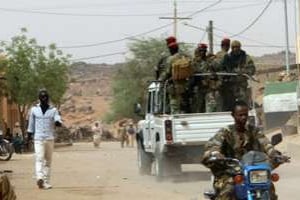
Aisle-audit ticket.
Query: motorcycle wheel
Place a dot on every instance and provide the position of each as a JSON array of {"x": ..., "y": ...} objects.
[{"x": 6, "y": 150}]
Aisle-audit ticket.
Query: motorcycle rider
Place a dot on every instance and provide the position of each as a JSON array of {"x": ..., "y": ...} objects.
[{"x": 234, "y": 141}]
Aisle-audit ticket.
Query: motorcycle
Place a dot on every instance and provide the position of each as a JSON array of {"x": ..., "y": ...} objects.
[
  {"x": 6, "y": 148},
  {"x": 252, "y": 175}
]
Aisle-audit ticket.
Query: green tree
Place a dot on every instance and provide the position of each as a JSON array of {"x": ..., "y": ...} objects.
[
  {"x": 29, "y": 67},
  {"x": 131, "y": 80}
]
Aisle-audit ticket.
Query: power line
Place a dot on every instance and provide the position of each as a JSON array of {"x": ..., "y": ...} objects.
[
  {"x": 205, "y": 8},
  {"x": 254, "y": 21},
  {"x": 79, "y": 14},
  {"x": 137, "y": 35},
  {"x": 203, "y": 36},
  {"x": 99, "y": 56},
  {"x": 221, "y": 37},
  {"x": 241, "y": 36},
  {"x": 247, "y": 45},
  {"x": 125, "y": 15},
  {"x": 203, "y": 29},
  {"x": 130, "y": 37},
  {"x": 116, "y": 4},
  {"x": 118, "y": 40},
  {"x": 234, "y": 7},
  {"x": 227, "y": 1},
  {"x": 114, "y": 41}
]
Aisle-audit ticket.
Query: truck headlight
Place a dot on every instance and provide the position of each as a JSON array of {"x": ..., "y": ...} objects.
[{"x": 259, "y": 176}]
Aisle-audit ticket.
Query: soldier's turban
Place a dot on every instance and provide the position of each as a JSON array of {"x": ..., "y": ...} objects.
[
  {"x": 170, "y": 40},
  {"x": 236, "y": 43}
]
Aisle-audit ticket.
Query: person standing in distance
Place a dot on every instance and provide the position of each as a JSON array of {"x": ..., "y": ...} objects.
[{"x": 42, "y": 121}]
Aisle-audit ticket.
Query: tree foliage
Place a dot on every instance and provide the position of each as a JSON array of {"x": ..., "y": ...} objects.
[
  {"x": 29, "y": 67},
  {"x": 131, "y": 81}
]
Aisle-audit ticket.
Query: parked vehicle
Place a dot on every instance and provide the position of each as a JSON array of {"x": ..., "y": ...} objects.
[{"x": 6, "y": 148}]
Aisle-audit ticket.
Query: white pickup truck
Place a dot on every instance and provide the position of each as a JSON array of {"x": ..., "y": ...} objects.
[{"x": 169, "y": 140}]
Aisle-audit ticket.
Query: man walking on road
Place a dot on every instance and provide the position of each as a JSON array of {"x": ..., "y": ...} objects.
[
  {"x": 122, "y": 132},
  {"x": 97, "y": 134},
  {"x": 131, "y": 134},
  {"x": 42, "y": 121}
]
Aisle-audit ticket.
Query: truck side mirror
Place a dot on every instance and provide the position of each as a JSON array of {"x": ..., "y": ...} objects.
[
  {"x": 137, "y": 108},
  {"x": 276, "y": 139}
]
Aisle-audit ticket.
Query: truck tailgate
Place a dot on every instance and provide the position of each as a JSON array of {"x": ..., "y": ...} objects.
[{"x": 198, "y": 128}]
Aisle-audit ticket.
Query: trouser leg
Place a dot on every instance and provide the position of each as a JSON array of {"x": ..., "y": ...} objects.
[
  {"x": 49, "y": 146},
  {"x": 273, "y": 195},
  {"x": 210, "y": 102},
  {"x": 39, "y": 159},
  {"x": 198, "y": 102},
  {"x": 224, "y": 188},
  {"x": 219, "y": 101},
  {"x": 122, "y": 142},
  {"x": 174, "y": 104},
  {"x": 132, "y": 140}
]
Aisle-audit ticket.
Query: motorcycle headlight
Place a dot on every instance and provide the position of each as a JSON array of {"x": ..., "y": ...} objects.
[{"x": 259, "y": 176}]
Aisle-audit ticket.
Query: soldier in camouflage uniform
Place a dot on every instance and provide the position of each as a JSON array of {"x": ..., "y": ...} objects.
[
  {"x": 160, "y": 70},
  {"x": 161, "y": 66},
  {"x": 176, "y": 88},
  {"x": 234, "y": 141},
  {"x": 206, "y": 95},
  {"x": 225, "y": 46},
  {"x": 122, "y": 133},
  {"x": 238, "y": 61}
]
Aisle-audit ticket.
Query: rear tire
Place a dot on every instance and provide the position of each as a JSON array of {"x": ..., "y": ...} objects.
[
  {"x": 144, "y": 160},
  {"x": 164, "y": 165},
  {"x": 160, "y": 164},
  {"x": 159, "y": 167}
]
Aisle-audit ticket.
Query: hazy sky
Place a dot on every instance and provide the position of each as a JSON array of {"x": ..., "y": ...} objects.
[{"x": 84, "y": 22}]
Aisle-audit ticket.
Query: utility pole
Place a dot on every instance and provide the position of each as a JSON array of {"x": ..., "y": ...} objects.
[
  {"x": 287, "y": 59},
  {"x": 175, "y": 19},
  {"x": 297, "y": 7},
  {"x": 210, "y": 36}
]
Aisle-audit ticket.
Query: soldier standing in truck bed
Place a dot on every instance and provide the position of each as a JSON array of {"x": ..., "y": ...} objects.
[
  {"x": 237, "y": 61},
  {"x": 178, "y": 70}
]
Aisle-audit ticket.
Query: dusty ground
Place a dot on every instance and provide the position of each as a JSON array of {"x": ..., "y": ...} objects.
[{"x": 81, "y": 172}]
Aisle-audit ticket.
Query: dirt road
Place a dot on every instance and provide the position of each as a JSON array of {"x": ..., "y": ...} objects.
[{"x": 82, "y": 172}]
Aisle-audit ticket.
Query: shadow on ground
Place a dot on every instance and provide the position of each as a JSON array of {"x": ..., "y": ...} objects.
[{"x": 193, "y": 176}]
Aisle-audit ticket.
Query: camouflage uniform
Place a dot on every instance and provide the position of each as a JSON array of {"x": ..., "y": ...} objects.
[
  {"x": 206, "y": 94},
  {"x": 220, "y": 56},
  {"x": 160, "y": 68},
  {"x": 232, "y": 144},
  {"x": 241, "y": 64},
  {"x": 6, "y": 189},
  {"x": 160, "y": 71},
  {"x": 177, "y": 88},
  {"x": 122, "y": 132}
]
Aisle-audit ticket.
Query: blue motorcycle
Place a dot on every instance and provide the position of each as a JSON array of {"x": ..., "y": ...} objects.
[{"x": 252, "y": 175}]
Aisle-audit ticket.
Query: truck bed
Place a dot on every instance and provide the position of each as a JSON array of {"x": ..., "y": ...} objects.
[{"x": 198, "y": 128}]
